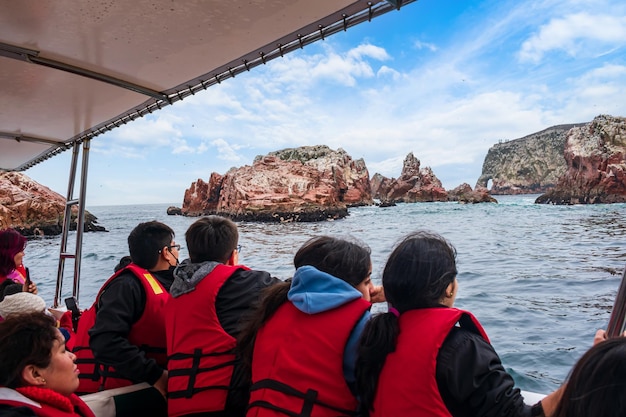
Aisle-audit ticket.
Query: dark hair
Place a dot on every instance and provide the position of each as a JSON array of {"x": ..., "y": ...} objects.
[
  {"x": 211, "y": 238},
  {"x": 416, "y": 275},
  {"x": 9, "y": 287},
  {"x": 123, "y": 263},
  {"x": 11, "y": 243},
  {"x": 25, "y": 339},
  {"x": 146, "y": 240},
  {"x": 349, "y": 261},
  {"x": 597, "y": 383},
  {"x": 418, "y": 271},
  {"x": 344, "y": 259}
]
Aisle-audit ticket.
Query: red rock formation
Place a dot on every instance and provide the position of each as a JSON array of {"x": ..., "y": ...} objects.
[
  {"x": 464, "y": 194},
  {"x": 310, "y": 183},
  {"x": 33, "y": 209},
  {"x": 413, "y": 185},
  {"x": 596, "y": 164}
]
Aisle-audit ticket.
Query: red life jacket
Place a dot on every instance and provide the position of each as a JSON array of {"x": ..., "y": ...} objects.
[
  {"x": 297, "y": 365},
  {"x": 200, "y": 351},
  {"x": 407, "y": 385},
  {"x": 148, "y": 333},
  {"x": 45, "y": 402}
]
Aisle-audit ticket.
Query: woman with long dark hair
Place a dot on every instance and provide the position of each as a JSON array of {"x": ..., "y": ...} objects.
[
  {"x": 425, "y": 357},
  {"x": 301, "y": 344}
]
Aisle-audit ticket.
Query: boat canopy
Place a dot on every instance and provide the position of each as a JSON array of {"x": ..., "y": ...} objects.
[{"x": 71, "y": 70}]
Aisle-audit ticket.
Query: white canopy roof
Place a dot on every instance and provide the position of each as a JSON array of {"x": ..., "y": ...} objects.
[{"x": 72, "y": 69}]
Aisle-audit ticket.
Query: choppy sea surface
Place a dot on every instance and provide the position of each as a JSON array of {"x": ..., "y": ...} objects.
[{"x": 540, "y": 278}]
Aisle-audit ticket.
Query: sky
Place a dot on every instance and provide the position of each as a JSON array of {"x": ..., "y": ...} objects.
[{"x": 443, "y": 79}]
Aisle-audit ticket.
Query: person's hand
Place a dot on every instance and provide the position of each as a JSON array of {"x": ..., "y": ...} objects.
[
  {"x": 377, "y": 294},
  {"x": 161, "y": 384},
  {"x": 31, "y": 288},
  {"x": 601, "y": 336}
]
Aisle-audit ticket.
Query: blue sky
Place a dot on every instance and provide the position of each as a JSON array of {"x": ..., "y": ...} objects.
[{"x": 444, "y": 79}]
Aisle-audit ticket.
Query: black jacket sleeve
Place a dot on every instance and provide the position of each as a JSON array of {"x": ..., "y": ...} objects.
[
  {"x": 10, "y": 411},
  {"x": 121, "y": 305},
  {"x": 239, "y": 296},
  {"x": 472, "y": 380}
]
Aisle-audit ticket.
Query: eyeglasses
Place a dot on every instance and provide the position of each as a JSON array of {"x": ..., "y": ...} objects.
[
  {"x": 239, "y": 248},
  {"x": 170, "y": 247}
]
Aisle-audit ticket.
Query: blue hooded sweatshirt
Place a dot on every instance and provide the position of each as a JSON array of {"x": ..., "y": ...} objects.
[{"x": 313, "y": 291}]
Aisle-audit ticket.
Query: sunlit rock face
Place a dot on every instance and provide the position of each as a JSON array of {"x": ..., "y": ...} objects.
[
  {"x": 414, "y": 185},
  {"x": 596, "y": 165},
  {"x": 34, "y": 209},
  {"x": 529, "y": 165},
  {"x": 310, "y": 183}
]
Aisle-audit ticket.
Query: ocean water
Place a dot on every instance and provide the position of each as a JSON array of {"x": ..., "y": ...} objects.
[{"x": 541, "y": 279}]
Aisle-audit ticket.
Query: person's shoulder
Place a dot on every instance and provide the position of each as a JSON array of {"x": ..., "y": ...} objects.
[
  {"x": 125, "y": 282},
  {"x": 262, "y": 278},
  {"x": 460, "y": 338}
]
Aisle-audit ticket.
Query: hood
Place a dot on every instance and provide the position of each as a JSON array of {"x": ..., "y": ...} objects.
[
  {"x": 187, "y": 275},
  {"x": 313, "y": 291}
]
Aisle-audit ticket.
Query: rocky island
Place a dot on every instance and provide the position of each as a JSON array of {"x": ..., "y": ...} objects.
[
  {"x": 309, "y": 183},
  {"x": 529, "y": 165},
  {"x": 595, "y": 156},
  {"x": 34, "y": 209},
  {"x": 414, "y": 184}
]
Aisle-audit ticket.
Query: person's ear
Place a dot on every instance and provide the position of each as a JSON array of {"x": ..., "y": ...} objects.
[
  {"x": 32, "y": 376},
  {"x": 450, "y": 289},
  {"x": 164, "y": 254},
  {"x": 233, "y": 259}
]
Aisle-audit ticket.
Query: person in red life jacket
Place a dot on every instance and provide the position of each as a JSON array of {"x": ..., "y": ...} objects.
[
  {"x": 12, "y": 270},
  {"x": 301, "y": 345},
  {"x": 210, "y": 295},
  {"x": 425, "y": 357},
  {"x": 38, "y": 376},
  {"x": 121, "y": 339}
]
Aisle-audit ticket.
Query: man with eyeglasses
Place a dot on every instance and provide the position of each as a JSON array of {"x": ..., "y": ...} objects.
[
  {"x": 125, "y": 327},
  {"x": 211, "y": 294}
]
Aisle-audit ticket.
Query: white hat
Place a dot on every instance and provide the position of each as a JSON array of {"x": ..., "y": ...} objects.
[{"x": 22, "y": 302}]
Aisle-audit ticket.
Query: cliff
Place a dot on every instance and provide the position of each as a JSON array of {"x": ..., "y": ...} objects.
[
  {"x": 414, "y": 185},
  {"x": 528, "y": 165},
  {"x": 596, "y": 164},
  {"x": 309, "y": 183},
  {"x": 34, "y": 209}
]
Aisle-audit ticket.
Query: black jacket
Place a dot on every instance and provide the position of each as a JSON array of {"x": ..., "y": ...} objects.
[{"x": 473, "y": 382}]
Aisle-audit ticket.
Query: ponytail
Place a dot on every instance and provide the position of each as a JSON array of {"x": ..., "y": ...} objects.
[
  {"x": 272, "y": 298},
  {"x": 377, "y": 341}
]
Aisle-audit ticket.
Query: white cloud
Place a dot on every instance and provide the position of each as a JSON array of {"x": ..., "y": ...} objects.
[
  {"x": 576, "y": 34},
  {"x": 425, "y": 45},
  {"x": 386, "y": 72},
  {"x": 226, "y": 151}
]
